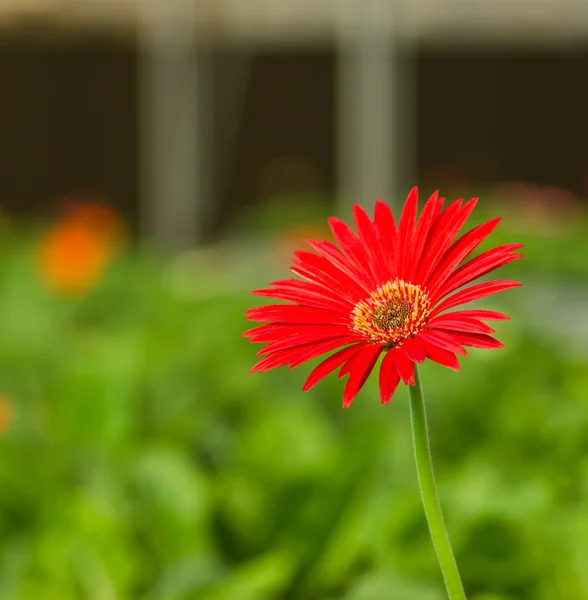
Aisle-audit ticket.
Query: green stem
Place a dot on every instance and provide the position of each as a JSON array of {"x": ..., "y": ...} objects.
[{"x": 431, "y": 504}]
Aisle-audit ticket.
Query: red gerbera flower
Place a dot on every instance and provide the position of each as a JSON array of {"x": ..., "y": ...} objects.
[{"x": 386, "y": 289}]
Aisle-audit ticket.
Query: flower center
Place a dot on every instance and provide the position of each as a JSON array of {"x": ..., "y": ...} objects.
[
  {"x": 394, "y": 312},
  {"x": 392, "y": 315}
]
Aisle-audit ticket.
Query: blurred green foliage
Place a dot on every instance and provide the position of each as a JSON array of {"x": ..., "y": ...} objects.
[{"x": 144, "y": 463}]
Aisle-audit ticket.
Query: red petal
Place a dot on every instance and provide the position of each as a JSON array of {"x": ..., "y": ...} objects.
[
  {"x": 259, "y": 330},
  {"x": 277, "y": 332},
  {"x": 484, "y": 315},
  {"x": 437, "y": 234},
  {"x": 299, "y": 354},
  {"x": 406, "y": 232},
  {"x": 308, "y": 336},
  {"x": 330, "y": 289},
  {"x": 428, "y": 217},
  {"x": 443, "y": 340},
  {"x": 335, "y": 256},
  {"x": 415, "y": 350},
  {"x": 271, "y": 362},
  {"x": 452, "y": 323},
  {"x": 359, "y": 368},
  {"x": 479, "y": 266},
  {"x": 272, "y": 332},
  {"x": 388, "y": 378},
  {"x": 446, "y": 228},
  {"x": 288, "y": 313},
  {"x": 387, "y": 237},
  {"x": 322, "y": 348},
  {"x": 329, "y": 365},
  {"x": 318, "y": 268},
  {"x": 477, "y": 340},
  {"x": 324, "y": 282},
  {"x": 443, "y": 357},
  {"x": 480, "y": 290},
  {"x": 404, "y": 365},
  {"x": 369, "y": 239},
  {"x": 309, "y": 300},
  {"x": 310, "y": 289},
  {"x": 466, "y": 244},
  {"x": 351, "y": 245}
]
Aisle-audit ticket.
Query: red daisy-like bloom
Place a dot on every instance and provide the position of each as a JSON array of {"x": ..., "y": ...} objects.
[{"x": 385, "y": 289}]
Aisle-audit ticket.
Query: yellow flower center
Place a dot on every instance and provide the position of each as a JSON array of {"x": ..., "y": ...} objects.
[{"x": 394, "y": 312}]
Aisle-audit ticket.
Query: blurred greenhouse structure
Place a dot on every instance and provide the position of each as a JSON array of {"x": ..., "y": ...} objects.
[
  {"x": 162, "y": 158},
  {"x": 195, "y": 71}
]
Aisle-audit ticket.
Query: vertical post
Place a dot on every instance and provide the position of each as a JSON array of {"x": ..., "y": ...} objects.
[
  {"x": 373, "y": 134},
  {"x": 231, "y": 86},
  {"x": 175, "y": 115}
]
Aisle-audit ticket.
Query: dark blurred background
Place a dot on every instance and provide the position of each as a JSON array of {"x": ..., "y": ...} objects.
[
  {"x": 485, "y": 105},
  {"x": 158, "y": 160}
]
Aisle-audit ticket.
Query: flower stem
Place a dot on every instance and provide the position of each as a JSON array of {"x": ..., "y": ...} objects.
[{"x": 431, "y": 504}]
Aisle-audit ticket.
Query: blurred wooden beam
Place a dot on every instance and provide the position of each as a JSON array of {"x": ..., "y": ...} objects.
[
  {"x": 175, "y": 127},
  {"x": 373, "y": 86},
  {"x": 231, "y": 84}
]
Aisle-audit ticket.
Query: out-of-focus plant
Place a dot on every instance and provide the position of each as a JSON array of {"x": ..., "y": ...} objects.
[
  {"x": 385, "y": 290},
  {"x": 289, "y": 239},
  {"x": 143, "y": 464},
  {"x": 73, "y": 253},
  {"x": 6, "y": 413}
]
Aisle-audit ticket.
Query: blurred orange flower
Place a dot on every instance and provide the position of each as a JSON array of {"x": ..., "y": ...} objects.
[
  {"x": 74, "y": 253},
  {"x": 97, "y": 217},
  {"x": 6, "y": 413}
]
